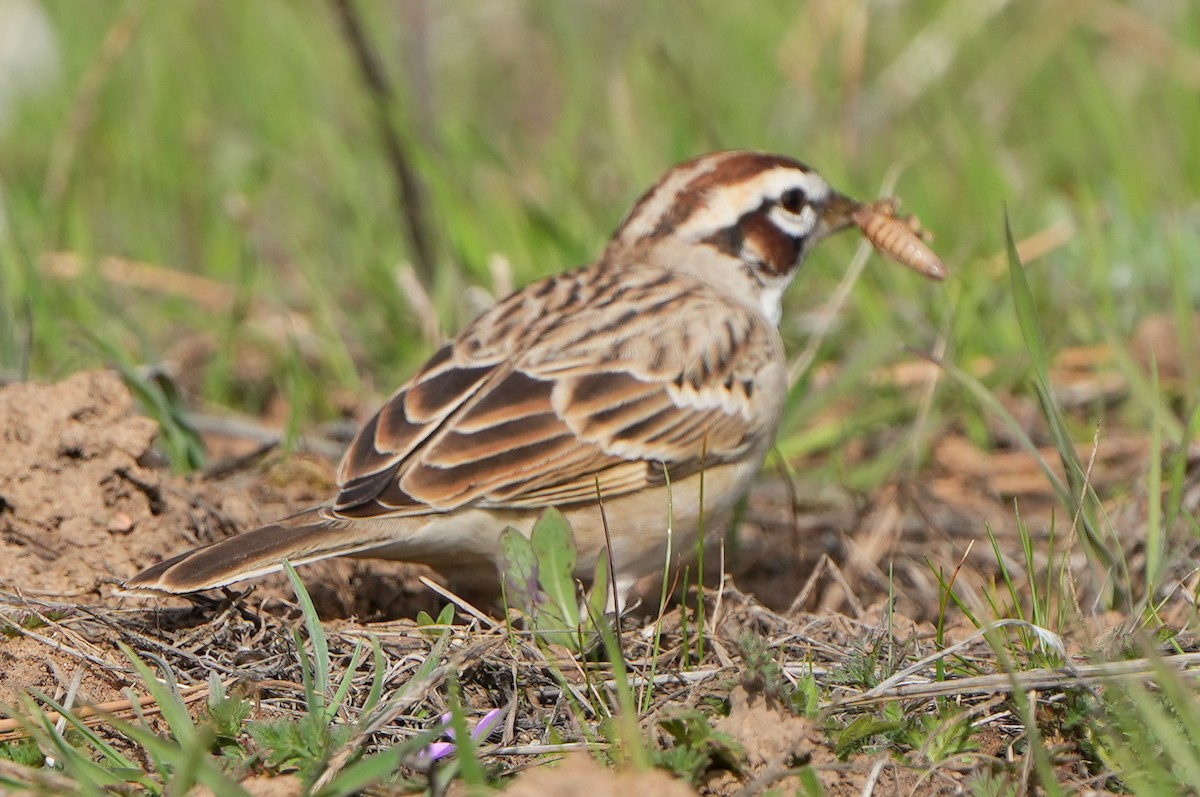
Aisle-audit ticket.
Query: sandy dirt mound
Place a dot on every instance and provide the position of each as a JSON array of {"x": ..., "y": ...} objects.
[
  {"x": 79, "y": 505},
  {"x": 579, "y": 774},
  {"x": 85, "y": 502}
]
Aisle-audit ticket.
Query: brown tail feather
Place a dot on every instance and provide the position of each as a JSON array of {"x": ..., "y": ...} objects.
[{"x": 305, "y": 537}]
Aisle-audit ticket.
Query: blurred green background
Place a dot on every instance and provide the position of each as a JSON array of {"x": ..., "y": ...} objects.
[{"x": 143, "y": 144}]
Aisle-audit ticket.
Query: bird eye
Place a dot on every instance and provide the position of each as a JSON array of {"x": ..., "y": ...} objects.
[{"x": 792, "y": 200}]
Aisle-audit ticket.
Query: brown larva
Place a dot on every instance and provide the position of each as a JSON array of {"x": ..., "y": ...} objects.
[{"x": 898, "y": 237}]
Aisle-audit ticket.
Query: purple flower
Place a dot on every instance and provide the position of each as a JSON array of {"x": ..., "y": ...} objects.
[{"x": 479, "y": 733}]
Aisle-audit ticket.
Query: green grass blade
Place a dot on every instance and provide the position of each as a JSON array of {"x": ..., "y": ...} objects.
[
  {"x": 1080, "y": 494},
  {"x": 320, "y": 643}
]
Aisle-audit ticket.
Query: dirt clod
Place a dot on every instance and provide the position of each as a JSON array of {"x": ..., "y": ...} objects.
[
  {"x": 770, "y": 734},
  {"x": 71, "y": 484},
  {"x": 580, "y": 774}
]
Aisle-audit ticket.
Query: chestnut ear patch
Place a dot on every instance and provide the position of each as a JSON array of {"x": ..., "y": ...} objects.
[{"x": 763, "y": 241}]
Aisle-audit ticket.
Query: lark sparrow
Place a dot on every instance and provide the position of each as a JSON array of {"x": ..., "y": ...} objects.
[{"x": 632, "y": 386}]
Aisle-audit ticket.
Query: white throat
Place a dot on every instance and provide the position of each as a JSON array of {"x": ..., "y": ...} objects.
[
  {"x": 732, "y": 276},
  {"x": 770, "y": 297}
]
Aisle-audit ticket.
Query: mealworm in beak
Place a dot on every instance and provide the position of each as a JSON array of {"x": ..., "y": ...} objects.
[{"x": 898, "y": 237}]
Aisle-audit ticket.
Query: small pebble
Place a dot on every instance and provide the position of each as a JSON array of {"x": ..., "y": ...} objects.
[{"x": 120, "y": 523}]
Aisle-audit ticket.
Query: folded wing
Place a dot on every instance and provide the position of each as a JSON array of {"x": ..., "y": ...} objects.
[{"x": 589, "y": 391}]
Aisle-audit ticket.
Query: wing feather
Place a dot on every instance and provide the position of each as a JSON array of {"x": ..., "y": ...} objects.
[
  {"x": 626, "y": 477},
  {"x": 532, "y": 414}
]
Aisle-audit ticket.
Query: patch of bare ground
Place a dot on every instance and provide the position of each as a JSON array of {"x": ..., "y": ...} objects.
[
  {"x": 836, "y": 586},
  {"x": 579, "y": 774}
]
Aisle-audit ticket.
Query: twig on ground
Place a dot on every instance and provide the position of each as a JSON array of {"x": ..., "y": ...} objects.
[{"x": 14, "y": 727}]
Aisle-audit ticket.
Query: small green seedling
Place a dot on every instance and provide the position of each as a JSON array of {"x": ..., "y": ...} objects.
[{"x": 538, "y": 578}]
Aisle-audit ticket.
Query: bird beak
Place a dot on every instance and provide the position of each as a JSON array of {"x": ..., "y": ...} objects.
[{"x": 836, "y": 214}]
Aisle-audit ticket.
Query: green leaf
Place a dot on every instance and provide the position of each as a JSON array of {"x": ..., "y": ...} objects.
[
  {"x": 369, "y": 771},
  {"x": 554, "y": 545},
  {"x": 711, "y": 749},
  {"x": 23, "y": 752},
  {"x": 518, "y": 570},
  {"x": 810, "y": 783},
  {"x": 858, "y": 732},
  {"x": 466, "y": 748},
  {"x": 434, "y": 628},
  {"x": 555, "y": 629}
]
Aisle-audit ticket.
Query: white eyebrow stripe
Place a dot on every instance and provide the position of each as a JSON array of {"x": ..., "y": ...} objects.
[{"x": 727, "y": 204}]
